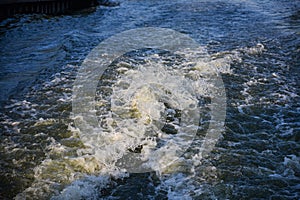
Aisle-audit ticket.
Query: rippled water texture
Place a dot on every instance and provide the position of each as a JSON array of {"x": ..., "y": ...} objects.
[{"x": 254, "y": 45}]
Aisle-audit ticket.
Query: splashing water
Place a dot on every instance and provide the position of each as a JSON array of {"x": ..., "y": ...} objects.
[
  {"x": 140, "y": 101},
  {"x": 146, "y": 123}
]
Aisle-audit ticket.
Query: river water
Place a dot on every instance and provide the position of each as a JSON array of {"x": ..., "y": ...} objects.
[{"x": 254, "y": 45}]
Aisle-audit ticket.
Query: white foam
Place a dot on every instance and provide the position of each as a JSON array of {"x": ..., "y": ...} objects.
[
  {"x": 138, "y": 109},
  {"x": 87, "y": 188}
]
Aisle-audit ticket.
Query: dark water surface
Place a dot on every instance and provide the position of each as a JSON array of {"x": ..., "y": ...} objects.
[{"x": 42, "y": 156}]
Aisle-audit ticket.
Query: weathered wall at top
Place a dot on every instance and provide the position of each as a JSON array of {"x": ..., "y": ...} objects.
[{"x": 11, "y": 7}]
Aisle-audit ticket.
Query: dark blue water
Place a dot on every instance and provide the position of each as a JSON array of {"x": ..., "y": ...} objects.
[{"x": 257, "y": 156}]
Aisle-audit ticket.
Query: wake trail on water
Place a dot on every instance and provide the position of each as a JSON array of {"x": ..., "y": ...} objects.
[{"x": 153, "y": 110}]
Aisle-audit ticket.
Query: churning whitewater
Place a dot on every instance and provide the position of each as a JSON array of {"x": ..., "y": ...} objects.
[
  {"x": 154, "y": 111},
  {"x": 208, "y": 110}
]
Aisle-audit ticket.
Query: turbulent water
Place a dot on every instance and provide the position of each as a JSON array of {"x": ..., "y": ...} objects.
[{"x": 154, "y": 108}]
